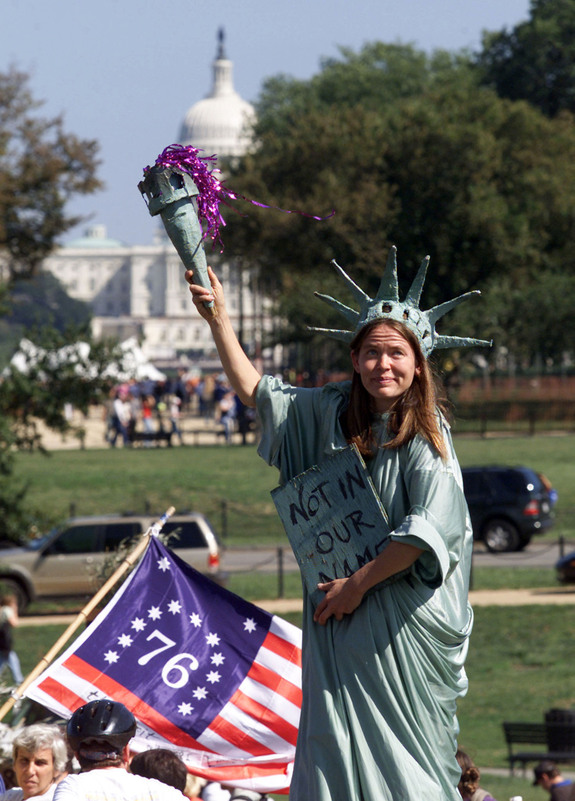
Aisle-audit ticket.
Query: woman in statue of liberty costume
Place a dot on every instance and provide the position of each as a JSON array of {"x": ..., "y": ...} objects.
[{"x": 382, "y": 666}]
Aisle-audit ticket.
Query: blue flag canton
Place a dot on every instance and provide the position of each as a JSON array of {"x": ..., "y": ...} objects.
[{"x": 177, "y": 640}]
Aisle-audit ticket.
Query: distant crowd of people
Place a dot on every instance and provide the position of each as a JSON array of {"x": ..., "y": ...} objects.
[{"x": 151, "y": 411}]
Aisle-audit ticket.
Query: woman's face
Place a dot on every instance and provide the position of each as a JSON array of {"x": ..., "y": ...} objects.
[
  {"x": 386, "y": 365},
  {"x": 34, "y": 770}
]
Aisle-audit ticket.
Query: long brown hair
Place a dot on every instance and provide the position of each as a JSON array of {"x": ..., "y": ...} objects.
[{"x": 414, "y": 412}]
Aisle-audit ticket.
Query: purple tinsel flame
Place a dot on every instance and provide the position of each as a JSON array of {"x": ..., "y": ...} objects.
[{"x": 211, "y": 190}]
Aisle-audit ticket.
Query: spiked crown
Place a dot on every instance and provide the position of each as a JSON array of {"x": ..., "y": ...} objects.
[{"x": 387, "y": 306}]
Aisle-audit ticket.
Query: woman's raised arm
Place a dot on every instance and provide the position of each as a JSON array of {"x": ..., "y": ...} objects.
[{"x": 241, "y": 373}]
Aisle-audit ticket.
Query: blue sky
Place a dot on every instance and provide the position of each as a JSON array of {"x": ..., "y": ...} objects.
[{"x": 124, "y": 72}]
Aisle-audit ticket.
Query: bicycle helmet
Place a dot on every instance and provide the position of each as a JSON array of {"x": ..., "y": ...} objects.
[{"x": 104, "y": 720}]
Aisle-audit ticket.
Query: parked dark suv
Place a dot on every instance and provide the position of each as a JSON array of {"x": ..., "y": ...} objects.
[
  {"x": 69, "y": 560},
  {"x": 508, "y": 505}
]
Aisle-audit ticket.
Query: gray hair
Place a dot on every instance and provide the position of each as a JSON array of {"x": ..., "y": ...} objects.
[{"x": 41, "y": 735}]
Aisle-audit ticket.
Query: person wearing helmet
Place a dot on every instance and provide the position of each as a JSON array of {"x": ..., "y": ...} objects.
[{"x": 99, "y": 733}]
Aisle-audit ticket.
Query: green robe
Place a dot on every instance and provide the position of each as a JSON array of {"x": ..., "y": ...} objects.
[{"x": 380, "y": 686}]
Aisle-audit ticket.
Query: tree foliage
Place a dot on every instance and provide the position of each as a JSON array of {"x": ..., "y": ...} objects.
[
  {"x": 41, "y": 168},
  {"x": 535, "y": 321},
  {"x": 436, "y": 164},
  {"x": 535, "y": 60},
  {"x": 61, "y": 372},
  {"x": 377, "y": 77},
  {"x": 32, "y": 305}
]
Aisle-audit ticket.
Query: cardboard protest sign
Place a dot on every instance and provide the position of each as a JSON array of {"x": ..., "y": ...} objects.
[{"x": 333, "y": 517}]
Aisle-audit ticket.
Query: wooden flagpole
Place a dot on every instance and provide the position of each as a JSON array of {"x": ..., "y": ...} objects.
[{"x": 82, "y": 616}]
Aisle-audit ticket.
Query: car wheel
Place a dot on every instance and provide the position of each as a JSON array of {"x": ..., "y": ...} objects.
[
  {"x": 500, "y": 535},
  {"x": 11, "y": 587}
]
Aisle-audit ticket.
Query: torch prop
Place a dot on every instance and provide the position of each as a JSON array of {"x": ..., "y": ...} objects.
[
  {"x": 179, "y": 175},
  {"x": 170, "y": 193}
]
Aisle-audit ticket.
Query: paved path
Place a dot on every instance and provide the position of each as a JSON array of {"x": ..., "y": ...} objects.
[
  {"x": 545, "y": 595},
  {"x": 265, "y": 558},
  {"x": 196, "y": 431},
  {"x": 478, "y": 598}
]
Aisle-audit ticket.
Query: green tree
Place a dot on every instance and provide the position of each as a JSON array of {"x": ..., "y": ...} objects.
[
  {"x": 482, "y": 184},
  {"x": 34, "y": 304},
  {"x": 535, "y": 322},
  {"x": 535, "y": 60},
  {"x": 65, "y": 368},
  {"x": 376, "y": 77},
  {"x": 41, "y": 168}
]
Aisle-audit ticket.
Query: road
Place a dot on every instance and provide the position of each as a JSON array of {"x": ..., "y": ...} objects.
[
  {"x": 537, "y": 554},
  {"x": 265, "y": 559}
]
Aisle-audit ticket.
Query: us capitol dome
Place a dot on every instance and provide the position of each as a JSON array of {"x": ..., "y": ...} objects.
[
  {"x": 222, "y": 122},
  {"x": 139, "y": 290}
]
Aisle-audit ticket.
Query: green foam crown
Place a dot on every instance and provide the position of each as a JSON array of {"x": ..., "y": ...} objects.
[{"x": 387, "y": 306}]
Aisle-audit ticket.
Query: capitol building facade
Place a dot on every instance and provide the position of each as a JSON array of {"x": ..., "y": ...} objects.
[{"x": 140, "y": 290}]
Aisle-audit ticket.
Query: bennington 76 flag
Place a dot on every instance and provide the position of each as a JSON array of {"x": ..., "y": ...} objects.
[{"x": 205, "y": 673}]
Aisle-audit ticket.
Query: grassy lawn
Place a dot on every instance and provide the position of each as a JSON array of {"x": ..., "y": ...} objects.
[
  {"x": 232, "y": 485},
  {"x": 504, "y": 787},
  {"x": 520, "y": 664},
  {"x": 266, "y": 586},
  {"x": 520, "y": 659},
  {"x": 484, "y": 578}
]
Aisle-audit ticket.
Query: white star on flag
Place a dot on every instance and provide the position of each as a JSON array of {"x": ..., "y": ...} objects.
[
  {"x": 217, "y": 659},
  {"x": 212, "y": 639},
  {"x": 155, "y": 613},
  {"x": 195, "y": 620},
  {"x": 111, "y": 657},
  {"x": 138, "y": 624},
  {"x": 175, "y": 607},
  {"x": 213, "y": 677},
  {"x": 249, "y": 625},
  {"x": 125, "y": 640},
  {"x": 164, "y": 564},
  {"x": 185, "y": 709},
  {"x": 200, "y": 693}
]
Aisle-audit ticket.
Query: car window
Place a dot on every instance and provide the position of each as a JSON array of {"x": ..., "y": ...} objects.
[
  {"x": 508, "y": 481},
  {"x": 186, "y": 534},
  {"x": 76, "y": 539},
  {"x": 116, "y": 533}
]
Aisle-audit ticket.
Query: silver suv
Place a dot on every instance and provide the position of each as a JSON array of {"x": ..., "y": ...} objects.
[{"x": 70, "y": 559}]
